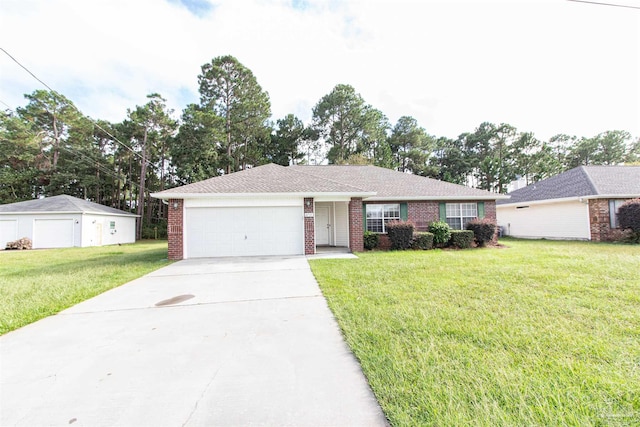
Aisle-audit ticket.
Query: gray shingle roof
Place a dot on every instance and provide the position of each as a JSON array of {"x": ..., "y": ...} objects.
[
  {"x": 353, "y": 180},
  {"x": 62, "y": 203},
  {"x": 582, "y": 181},
  {"x": 388, "y": 183},
  {"x": 270, "y": 178}
]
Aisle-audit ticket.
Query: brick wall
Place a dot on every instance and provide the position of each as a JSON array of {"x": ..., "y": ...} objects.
[
  {"x": 174, "y": 229},
  {"x": 423, "y": 213},
  {"x": 309, "y": 228},
  {"x": 599, "y": 222},
  {"x": 356, "y": 227}
]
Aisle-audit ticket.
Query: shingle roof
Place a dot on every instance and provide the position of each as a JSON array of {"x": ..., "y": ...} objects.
[
  {"x": 270, "y": 178},
  {"x": 352, "y": 180},
  {"x": 582, "y": 181},
  {"x": 62, "y": 203},
  {"x": 388, "y": 183}
]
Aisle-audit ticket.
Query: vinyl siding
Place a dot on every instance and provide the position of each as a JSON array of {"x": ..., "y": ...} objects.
[{"x": 562, "y": 220}]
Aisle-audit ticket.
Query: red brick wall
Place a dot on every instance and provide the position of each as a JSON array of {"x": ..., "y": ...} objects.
[
  {"x": 356, "y": 227},
  {"x": 174, "y": 229},
  {"x": 309, "y": 228},
  {"x": 422, "y": 213},
  {"x": 600, "y": 222}
]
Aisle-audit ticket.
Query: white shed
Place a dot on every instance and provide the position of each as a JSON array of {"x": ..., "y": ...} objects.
[{"x": 65, "y": 221}]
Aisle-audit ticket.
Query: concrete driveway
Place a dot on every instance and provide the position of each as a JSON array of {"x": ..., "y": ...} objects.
[{"x": 211, "y": 342}]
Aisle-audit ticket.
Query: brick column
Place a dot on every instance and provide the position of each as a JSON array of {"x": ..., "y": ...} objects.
[
  {"x": 356, "y": 226},
  {"x": 309, "y": 227},
  {"x": 599, "y": 219},
  {"x": 174, "y": 229}
]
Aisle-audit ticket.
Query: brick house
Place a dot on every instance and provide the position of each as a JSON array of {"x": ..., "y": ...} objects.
[
  {"x": 278, "y": 210},
  {"x": 579, "y": 204}
]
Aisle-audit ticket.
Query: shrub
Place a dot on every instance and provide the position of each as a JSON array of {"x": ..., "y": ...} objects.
[
  {"x": 400, "y": 233},
  {"x": 461, "y": 238},
  {"x": 422, "y": 241},
  {"x": 441, "y": 232},
  {"x": 483, "y": 230},
  {"x": 629, "y": 218},
  {"x": 371, "y": 240}
]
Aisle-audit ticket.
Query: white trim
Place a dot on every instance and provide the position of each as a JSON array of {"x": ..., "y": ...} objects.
[
  {"x": 569, "y": 199},
  {"x": 436, "y": 198},
  {"x": 310, "y": 194},
  {"x": 68, "y": 213}
]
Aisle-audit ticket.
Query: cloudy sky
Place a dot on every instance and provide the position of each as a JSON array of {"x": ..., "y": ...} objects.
[{"x": 546, "y": 66}]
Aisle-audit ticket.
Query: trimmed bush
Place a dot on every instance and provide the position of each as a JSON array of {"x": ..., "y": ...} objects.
[
  {"x": 400, "y": 233},
  {"x": 441, "y": 233},
  {"x": 629, "y": 218},
  {"x": 483, "y": 230},
  {"x": 423, "y": 240},
  {"x": 371, "y": 240},
  {"x": 461, "y": 239}
]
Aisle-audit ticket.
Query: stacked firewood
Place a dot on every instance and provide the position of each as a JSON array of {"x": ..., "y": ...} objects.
[{"x": 20, "y": 244}]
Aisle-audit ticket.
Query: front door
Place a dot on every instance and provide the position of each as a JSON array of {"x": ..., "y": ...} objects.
[{"x": 323, "y": 225}]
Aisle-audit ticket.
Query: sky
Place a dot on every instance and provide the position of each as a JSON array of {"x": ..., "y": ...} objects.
[{"x": 546, "y": 66}]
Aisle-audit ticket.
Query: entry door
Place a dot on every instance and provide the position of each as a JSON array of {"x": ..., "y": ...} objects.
[{"x": 323, "y": 225}]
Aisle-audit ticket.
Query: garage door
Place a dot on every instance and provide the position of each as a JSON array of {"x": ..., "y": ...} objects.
[
  {"x": 8, "y": 231},
  {"x": 53, "y": 233},
  {"x": 246, "y": 231}
]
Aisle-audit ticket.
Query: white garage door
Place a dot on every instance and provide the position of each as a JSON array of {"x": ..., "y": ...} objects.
[
  {"x": 8, "y": 231},
  {"x": 53, "y": 233},
  {"x": 244, "y": 231}
]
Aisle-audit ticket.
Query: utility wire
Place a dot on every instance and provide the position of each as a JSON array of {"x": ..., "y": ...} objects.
[
  {"x": 88, "y": 160},
  {"x": 606, "y": 4},
  {"x": 76, "y": 108}
]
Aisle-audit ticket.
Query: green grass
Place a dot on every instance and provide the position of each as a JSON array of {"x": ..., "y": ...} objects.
[
  {"x": 536, "y": 334},
  {"x": 39, "y": 283}
]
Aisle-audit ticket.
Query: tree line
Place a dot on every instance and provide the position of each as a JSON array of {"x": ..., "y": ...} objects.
[{"x": 48, "y": 147}]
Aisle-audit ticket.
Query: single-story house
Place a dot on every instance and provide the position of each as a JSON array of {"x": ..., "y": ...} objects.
[
  {"x": 65, "y": 221},
  {"x": 579, "y": 204},
  {"x": 278, "y": 210}
]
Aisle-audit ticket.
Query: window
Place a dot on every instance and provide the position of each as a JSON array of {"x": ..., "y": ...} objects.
[
  {"x": 459, "y": 214},
  {"x": 379, "y": 215},
  {"x": 614, "y": 205}
]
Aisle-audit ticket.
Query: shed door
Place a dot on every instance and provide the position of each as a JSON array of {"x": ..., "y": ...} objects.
[
  {"x": 53, "y": 233},
  {"x": 8, "y": 231},
  {"x": 244, "y": 231}
]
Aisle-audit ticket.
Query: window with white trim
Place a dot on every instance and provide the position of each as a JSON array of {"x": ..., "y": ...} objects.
[
  {"x": 614, "y": 205},
  {"x": 379, "y": 215},
  {"x": 459, "y": 214}
]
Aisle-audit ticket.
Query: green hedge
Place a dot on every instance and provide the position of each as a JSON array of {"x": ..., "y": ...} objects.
[
  {"x": 461, "y": 238},
  {"x": 441, "y": 232},
  {"x": 400, "y": 234},
  {"x": 371, "y": 240},
  {"x": 422, "y": 241}
]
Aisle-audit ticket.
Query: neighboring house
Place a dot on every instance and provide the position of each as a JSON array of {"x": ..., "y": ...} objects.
[
  {"x": 278, "y": 210},
  {"x": 65, "y": 221},
  {"x": 581, "y": 203}
]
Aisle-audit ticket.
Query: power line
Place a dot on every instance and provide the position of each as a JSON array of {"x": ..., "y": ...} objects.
[
  {"x": 606, "y": 4},
  {"x": 76, "y": 108}
]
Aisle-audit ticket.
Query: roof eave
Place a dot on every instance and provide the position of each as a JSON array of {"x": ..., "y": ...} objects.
[
  {"x": 68, "y": 213},
  {"x": 572, "y": 199},
  {"x": 418, "y": 198},
  {"x": 176, "y": 195}
]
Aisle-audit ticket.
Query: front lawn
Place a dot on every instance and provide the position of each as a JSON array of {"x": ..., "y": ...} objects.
[
  {"x": 539, "y": 333},
  {"x": 35, "y": 284}
]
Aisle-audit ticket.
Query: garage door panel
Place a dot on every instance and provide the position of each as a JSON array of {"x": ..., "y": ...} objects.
[
  {"x": 8, "y": 231},
  {"x": 53, "y": 233},
  {"x": 244, "y": 231}
]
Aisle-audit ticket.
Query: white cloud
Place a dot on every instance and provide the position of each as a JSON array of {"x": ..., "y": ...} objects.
[{"x": 545, "y": 66}]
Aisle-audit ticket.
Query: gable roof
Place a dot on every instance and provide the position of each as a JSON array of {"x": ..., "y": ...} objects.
[
  {"x": 60, "y": 204},
  {"x": 369, "y": 182},
  {"x": 583, "y": 181},
  {"x": 389, "y": 184},
  {"x": 270, "y": 178}
]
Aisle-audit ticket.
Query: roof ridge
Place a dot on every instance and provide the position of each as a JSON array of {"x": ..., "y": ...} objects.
[
  {"x": 326, "y": 179},
  {"x": 589, "y": 180}
]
